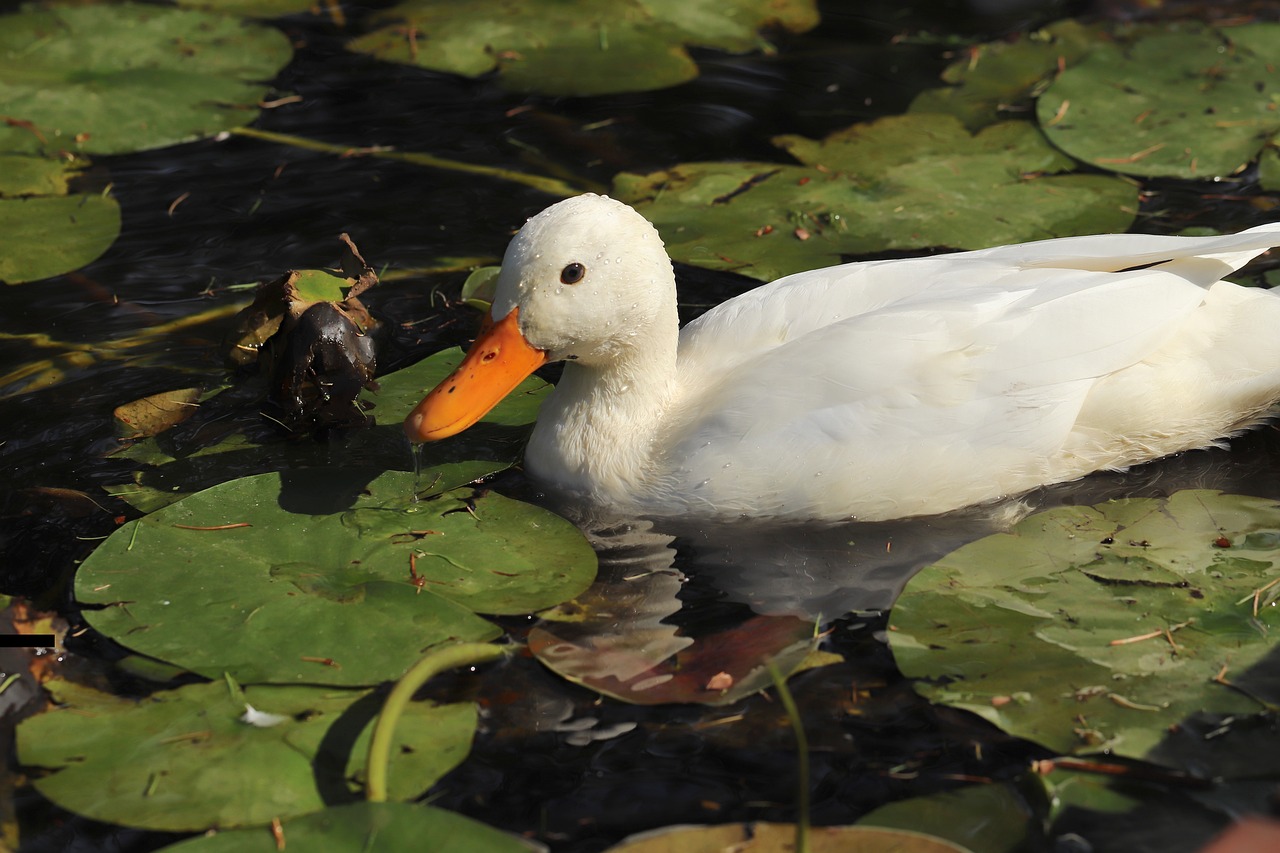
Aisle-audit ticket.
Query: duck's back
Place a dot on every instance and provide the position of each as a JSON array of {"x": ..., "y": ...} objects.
[{"x": 895, "y": 388}]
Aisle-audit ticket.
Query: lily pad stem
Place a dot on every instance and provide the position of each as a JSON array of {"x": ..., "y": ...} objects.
[
  {"x": 802, "y": 758},
  {"x": 429, "y": 666},
  {"x": 551, "y": 186}
]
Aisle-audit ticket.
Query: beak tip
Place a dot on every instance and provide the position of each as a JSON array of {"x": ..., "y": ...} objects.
[{"x": 413, "y": 428}]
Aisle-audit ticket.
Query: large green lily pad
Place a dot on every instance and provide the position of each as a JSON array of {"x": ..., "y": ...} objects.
[
  {"x": 120, "y": 77},
  {"x": 1097, "y": 628},
  {"x": 904, "y": 182},
  {"x": 327, "y": 576},
  {"x": 1186, "y": 103},
  {"x": 577, "y": 47},
  {"x": 46, "y": 231},
  {"x": 187, "y": 760},
  {"x": 366, "y": 828}
]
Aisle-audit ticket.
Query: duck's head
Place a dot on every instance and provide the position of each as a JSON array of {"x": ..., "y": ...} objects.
[{"x": 582, "y": 281}]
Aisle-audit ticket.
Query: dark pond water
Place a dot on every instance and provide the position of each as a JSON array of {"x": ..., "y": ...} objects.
[{"x": 252, "y": 209}]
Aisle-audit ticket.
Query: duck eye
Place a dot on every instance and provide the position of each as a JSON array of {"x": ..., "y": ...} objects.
[{"x": 573, "y": 273}]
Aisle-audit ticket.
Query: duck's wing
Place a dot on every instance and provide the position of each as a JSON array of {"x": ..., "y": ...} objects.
[
  {"x": 980, "y": 368},
  {"x": 798, "y": 304}
]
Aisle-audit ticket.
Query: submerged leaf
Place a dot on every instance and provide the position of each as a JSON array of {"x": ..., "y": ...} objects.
[
  {"x": 1098, "y": 628},
  {"x": 577, "y": 47},
  {"x": 780, "y": 837},
  {"x": 904, "y": 182},
  {"x": 325, "y": 576}
]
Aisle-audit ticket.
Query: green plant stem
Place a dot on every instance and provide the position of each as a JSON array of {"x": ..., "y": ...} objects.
[
  {"x": 429, "y": 666},
  {"x": 802, "y": 760},
  {"x": 551, "y": 186}
]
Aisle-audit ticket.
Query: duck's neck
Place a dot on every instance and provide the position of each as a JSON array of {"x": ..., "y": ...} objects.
[{"x": 597, "y": 431}]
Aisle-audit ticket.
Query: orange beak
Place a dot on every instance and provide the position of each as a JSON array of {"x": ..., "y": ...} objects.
[{"x": 497, "y": 362}]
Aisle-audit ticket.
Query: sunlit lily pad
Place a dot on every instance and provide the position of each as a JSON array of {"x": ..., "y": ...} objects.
[
  {"x": 196, "y": 757},
  {"x": 120, "y": 77},
  {"x": 904, "y": 182},
  {"x": 325, "y": 576},
  {"x": 999, "y": 79},
  {"x": 577, "y": 47},
  {"x": 1097, "y": 628},
  {"x": 47, "y": 231},
  {"x": 1182, "y": 103},
  {"x": 781, "y": 837},
  {"x": 366, "y": 828}
]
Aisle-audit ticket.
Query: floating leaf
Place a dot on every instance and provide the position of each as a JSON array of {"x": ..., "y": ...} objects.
[
  {"x": 577, "y": 47},
  {"x": 366, "y": 828},
  {"x": 1001, "y": 77},
  {"x": 1098, "y": 628},
  {"x": 325, "y": 576},
  {"x": 46, "y": 231},
  {"x": 904, "y": 182},
  {"x": 186, "y": 760},
  {"x": 1179, "y": 103},
  {"x": 156, "y": 413},
  {"x": 780, "y": 837},
  {"x": 124, "y": 77}
]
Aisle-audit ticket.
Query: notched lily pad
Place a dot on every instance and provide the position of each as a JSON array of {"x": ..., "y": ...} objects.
[
  {"x": 213, "y": 755},
  {"x": 47, "y": 230},
  {"x": 1185, "y": 103},
  {"x": 577, "y": 47},
  {"x": 325, "y": 576},
  {"x": 903, "y": 182},
  {"x": 119, "y": 77},
  {"x": 1098, "y": 628}
]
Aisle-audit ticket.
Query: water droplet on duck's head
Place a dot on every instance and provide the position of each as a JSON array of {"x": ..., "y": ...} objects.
[
  {"x": 728, "y": 465},
  {"x": 559, "y": 290}
]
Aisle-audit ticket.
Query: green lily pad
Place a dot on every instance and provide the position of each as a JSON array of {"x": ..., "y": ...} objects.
[
  {"x": 1097, "y": 628},
  {"x": 121, "y": 77},
  {"x": 48, "y": 232},
  {"x": 1179, "y": 103},
  {"x": 325, "y": 576},
  {"x": 204, "y": 452},
  {"x": 188, "y": 760},
  {"x": 366, "y": 828},
  {"x": 577, "y": 47},
  {"x": 903, "y": 182},
  {"x": 1002, "y": 77}
]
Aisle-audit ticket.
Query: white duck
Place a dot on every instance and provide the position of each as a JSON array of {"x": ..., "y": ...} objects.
[{"x": 871, "y": 390}]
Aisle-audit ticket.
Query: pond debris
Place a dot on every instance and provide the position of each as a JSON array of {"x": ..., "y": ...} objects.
[{"x": 310, "y": 334}]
